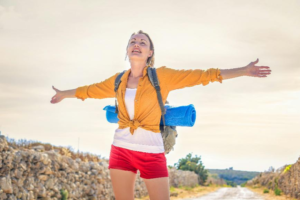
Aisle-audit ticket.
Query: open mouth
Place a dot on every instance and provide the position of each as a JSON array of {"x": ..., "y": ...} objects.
[{"x": 136, "y": 51}]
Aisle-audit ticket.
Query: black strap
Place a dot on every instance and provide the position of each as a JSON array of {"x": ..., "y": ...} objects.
[
  {"x": 154, "y": 81},
  {"x": 117, "y": 83}
]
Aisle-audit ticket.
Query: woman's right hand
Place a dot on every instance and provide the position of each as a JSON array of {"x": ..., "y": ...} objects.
[{"x": 59, "y": 96}]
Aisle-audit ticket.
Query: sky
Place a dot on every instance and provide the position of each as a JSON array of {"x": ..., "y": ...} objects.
[{"x": 247, "y": 123}]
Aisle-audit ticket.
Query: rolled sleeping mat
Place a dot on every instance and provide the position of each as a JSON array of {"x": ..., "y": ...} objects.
[{"x": 175, "y": 115}]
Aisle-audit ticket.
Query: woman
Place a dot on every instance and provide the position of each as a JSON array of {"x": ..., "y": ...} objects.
[{"x": 138, "y": 144}]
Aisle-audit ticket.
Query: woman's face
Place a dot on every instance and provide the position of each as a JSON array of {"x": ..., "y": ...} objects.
[{"x": 139, "y": 48}]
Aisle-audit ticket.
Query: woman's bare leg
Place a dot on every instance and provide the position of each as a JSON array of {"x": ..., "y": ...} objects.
[
  {"x": 123, "y": 184},
  {"x": 158, "y": 188}
]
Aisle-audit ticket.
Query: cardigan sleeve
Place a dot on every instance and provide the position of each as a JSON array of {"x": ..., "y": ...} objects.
[
  {"x": 177, "y": 79},
  {"x": 101, "y": 90}
]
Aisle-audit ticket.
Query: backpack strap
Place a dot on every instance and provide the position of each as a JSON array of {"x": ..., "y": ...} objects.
[
  {"x": 117, "y": 83},
  {"x": 155, "y": 83}
]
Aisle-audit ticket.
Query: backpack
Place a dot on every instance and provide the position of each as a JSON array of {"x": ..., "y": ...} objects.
[{"x": 169, "y": 133}]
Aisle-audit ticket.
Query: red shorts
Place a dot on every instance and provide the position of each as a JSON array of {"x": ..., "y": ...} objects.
[{"x": 150, "y": 165}]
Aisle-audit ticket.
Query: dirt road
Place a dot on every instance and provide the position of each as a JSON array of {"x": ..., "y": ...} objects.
[{"x": 238, "y": 193}]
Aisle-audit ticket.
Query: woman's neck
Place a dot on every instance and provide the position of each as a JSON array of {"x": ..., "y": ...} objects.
[{"x": 137, "y": 69}]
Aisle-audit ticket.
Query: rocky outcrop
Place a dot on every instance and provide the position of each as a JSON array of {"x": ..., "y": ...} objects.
[
  {"x": 179, "y": 178},
  {"x": 215, "y": 181},
  {"x": 38, "y": 174},
  {"x": 286, "y": 178}
]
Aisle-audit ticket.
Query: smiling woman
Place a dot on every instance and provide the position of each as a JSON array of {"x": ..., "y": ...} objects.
[
  {"x": 138, "y": 143},
  {"x": 142, "y": 43}
]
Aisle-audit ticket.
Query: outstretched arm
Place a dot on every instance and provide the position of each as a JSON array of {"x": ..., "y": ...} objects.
[
  {"x": 249, "y": 70},
  {"x": 60, "y": 95},
  {"x": 181, "y": 78},
  {"x": 101, "y": 90}
]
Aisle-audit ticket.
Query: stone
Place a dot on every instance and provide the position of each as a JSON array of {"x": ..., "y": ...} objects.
[
  {"x": 37, "y": 174},
  {"x": 5, "y": 184}
]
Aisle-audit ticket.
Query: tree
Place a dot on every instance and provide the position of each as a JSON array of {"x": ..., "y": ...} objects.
[
  {"x": 194, "y": 164},
  {"x": 271, "y": 169}
]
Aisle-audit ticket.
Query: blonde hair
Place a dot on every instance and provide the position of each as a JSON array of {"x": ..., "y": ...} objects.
[{"x": 150, "y": 60}]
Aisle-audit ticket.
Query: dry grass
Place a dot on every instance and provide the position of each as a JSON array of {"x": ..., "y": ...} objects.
[
  {"x": 23, "y": 144},
  {"x": 188, "y": 192},
  {"x": 269, "y": 196}
]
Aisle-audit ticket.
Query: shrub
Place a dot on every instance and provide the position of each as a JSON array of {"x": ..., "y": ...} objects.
[
  {"x": 270, "y": 184},
  {"x": 277, "y": 192},
  {"x": 64, "y": 194},
  {"x": 172, "y": 189},
  {"x": 266, "y": 191},
  {"x": 276, "y": 181},
  {"x": 243, "y": 184},
  {"x": 190, "y": 163},
  {"x": 225, "y": 185},
  {"x": 187, "y": 188}
]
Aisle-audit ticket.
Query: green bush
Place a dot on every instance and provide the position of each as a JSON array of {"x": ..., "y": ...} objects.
[
  {"x": 243, "y": 184},
  {"x": 269, "y": 184},
  {"x": 266, "y": 191},
  {"x": 184, "y": 187},
  {"x": 190, "y": 163},
  {"x": 277, "y": 192},
  {"x": 172, "y": 189},
  {"x": 276, "y": 181},
  {"x": 231, "y": 183},
  {"x": 64, "y": 194},
  {"x": 187, "y": 188}
]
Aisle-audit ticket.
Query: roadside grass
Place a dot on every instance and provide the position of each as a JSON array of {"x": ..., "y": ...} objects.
[{"x": 269, "y": 194}]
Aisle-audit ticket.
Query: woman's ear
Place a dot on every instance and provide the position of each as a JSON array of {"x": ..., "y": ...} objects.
[{"x": 151, "y": 53}]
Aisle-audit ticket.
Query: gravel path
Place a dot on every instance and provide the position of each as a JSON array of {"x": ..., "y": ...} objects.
[{"x": 235, "y": 193}]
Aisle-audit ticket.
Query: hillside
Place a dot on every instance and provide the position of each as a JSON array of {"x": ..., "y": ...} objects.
[
  {"x": 234, "y": 177},
  {"x": 284, "y": 180}
]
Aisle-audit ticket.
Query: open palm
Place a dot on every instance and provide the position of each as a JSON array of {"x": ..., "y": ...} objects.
[
  {"x": 58, "y": 96},
  {"x": 257, "y": 71}
]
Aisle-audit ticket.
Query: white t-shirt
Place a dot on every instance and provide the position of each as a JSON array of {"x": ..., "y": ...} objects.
[{"x": 142, "y": 139}]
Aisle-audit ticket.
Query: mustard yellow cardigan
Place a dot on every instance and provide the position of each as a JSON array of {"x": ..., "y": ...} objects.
[{"x": 147, "y": 112}]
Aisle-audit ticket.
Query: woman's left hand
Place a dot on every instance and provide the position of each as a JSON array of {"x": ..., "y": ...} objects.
[{"x": 257, "y": 71}]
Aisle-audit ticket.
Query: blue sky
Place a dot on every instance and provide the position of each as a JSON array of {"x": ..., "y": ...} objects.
[{"x": 246, "y": 123}]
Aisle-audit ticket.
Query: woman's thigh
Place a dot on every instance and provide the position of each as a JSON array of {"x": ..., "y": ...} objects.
[
  {"x": 154, "y": 172},
  {"x": 158, "y": 188},
  {"x": 122, "y": 173},
  {"x": 151, "y": 165},
  {"x": 123, "y": 184}
]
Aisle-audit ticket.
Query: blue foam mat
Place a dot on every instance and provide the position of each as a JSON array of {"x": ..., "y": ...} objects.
[{"x": 175, "y": 115}]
